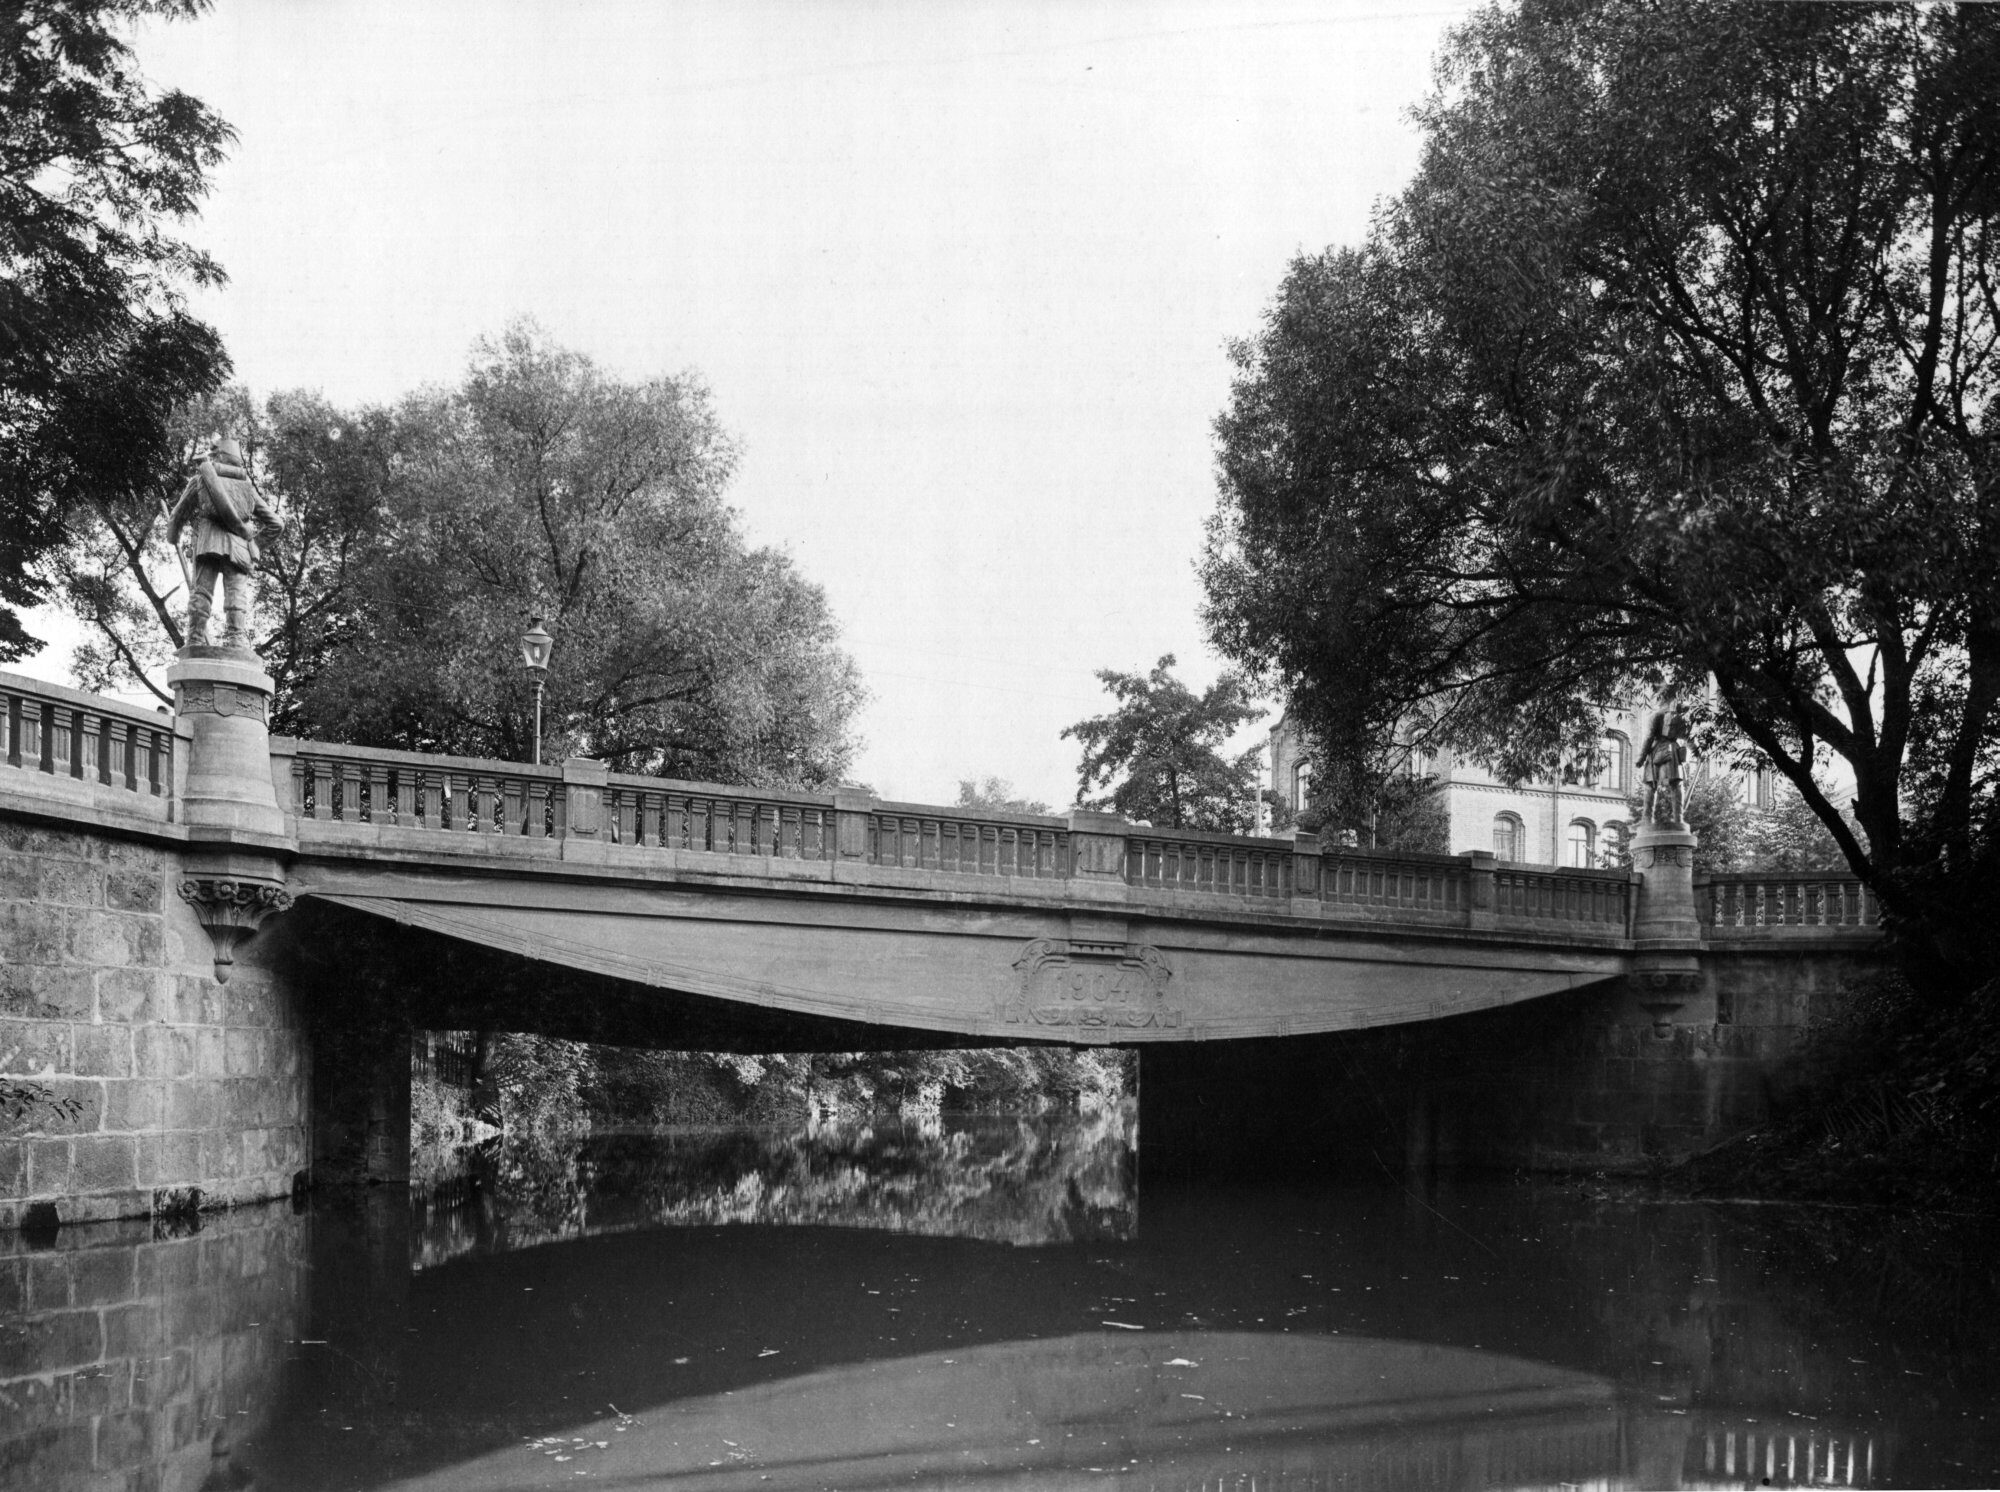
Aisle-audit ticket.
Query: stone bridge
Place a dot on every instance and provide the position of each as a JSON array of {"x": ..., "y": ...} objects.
[{"x": 138, "y": 850}]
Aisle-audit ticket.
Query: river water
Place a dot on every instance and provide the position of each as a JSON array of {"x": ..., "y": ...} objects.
[{"x": 992, "y": 1303}]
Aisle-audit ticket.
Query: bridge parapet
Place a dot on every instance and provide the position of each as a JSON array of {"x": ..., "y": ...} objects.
[
  {"x": 1777, "y": 906},
  {"x": 117, "y": 760},
  {"x": 472, "y": 807}
]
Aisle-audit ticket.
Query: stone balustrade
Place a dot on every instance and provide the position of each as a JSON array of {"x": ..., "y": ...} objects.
[
  {"x": 1208, "y": 864},
  {"x": 87, "y": 748},
  {"x": 56, "y": 742},
  {"x": 688, "y": 816},
  {"x": 322, "y": 783},
  {"x": 579, "y": 805},
  {"x": 1756, "y": 904},
  {"x": 1601, "y": 898}
]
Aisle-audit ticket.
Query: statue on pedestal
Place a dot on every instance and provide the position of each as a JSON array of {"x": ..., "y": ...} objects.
[
  {"x": 1663, "y": 768},
  {"x": 227, "y": 513}
]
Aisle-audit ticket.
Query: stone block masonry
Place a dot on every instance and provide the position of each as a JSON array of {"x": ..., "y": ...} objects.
[{"x": 177, "y": 1092}]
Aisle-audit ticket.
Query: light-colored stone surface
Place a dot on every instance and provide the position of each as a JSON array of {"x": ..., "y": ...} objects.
[{"x": 107, "y": 999}]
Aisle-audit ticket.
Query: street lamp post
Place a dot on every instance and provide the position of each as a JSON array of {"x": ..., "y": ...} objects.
[{"x": 535, "y": 645}]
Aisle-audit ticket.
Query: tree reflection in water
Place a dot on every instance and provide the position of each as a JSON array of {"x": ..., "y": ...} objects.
[{"x": 1019, "y": 1180}]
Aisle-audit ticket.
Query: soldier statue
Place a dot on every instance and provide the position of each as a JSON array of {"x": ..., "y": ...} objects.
[
  {"x": 227, "y": 513},
  {"x": 1663, "y": 768}
]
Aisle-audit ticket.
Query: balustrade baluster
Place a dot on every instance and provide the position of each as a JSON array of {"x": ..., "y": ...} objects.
[
  {"x": 379, "y": 811},
  {"x": 129, "y": 763}
]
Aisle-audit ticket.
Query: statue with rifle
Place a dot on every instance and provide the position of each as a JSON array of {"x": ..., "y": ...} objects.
[
  {"x": 223, "y": 510},
  {"x": 1663, "y": 768}
]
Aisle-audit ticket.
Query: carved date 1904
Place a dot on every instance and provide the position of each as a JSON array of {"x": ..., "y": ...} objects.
[{"x": 1091, "y": 986}]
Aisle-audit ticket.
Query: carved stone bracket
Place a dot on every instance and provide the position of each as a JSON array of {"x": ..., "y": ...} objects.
[
  {"x": 230, "y": 909},
  {"x": 1091, "y": 986},
  {"x": 1662, "y": 992}
]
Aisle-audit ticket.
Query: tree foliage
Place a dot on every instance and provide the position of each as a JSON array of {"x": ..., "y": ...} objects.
[
  {"x": 97, "y": 349},
  {"x": 1380, "y": 809},
  {"x": 1160, "y": 752},
  {"x": 1675, "y": 362},
  {"x": 418, "y": 540},
  {"x": 995, "y": 795},
  {"x": 1789, "y": 836},
  {"x": 542, "y": 486}
]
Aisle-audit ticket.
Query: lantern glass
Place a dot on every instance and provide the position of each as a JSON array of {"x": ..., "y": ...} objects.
[{"x": 535, "y": 646}]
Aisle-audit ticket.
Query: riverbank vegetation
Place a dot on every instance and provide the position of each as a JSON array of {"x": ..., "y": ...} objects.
[
  {"x": 1900, "y": 1107},
  {"x": 516, "y": 1083}
]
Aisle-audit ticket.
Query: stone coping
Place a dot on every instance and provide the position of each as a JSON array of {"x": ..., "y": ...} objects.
[{"x": 20, "y": 683}]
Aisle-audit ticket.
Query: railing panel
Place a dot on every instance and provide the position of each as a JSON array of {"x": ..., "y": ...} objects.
[
  {"x": 1211, "y": 867},
  {"x": 1599, "y": 900},
  {"x": 1747, "y": 904},
  {"x": 959, "y": 846},
  {"x": 58, "y": 732},
  {"x": 1420, "y": 886}
]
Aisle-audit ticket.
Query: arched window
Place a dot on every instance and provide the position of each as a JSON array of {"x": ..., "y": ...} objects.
[
  {"x": 1302, "y": 787},
  {"x": 1617, "y": 762},
  {"x": 1617, "y": 843},
  {"x": 1506, "y": 836},
  {"x": 1582, "y": 844}
]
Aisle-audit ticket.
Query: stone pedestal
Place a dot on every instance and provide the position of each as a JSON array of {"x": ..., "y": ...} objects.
[
  {"x": 236, "y": 831},
  {"x": 225, "y": 696},
  {"x": 1666, "y": 933}
]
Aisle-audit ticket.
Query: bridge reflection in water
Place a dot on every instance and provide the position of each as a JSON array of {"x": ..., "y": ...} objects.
[
  {"x": 706, "y": 1316},
  {"x": 1178, "y": 1410}
]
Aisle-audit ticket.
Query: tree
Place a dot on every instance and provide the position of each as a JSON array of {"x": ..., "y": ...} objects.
[
  {"x": 1675, "y": 363},
  {"x": 97, "y": 350},
  {"x": 1162, "y": 746},
  {"x": 1789, "y": 837},
  {"x": 1382, "y": 809},
  {"x": 542, "y": 486},
  {"x": 995, "y": 795},
  {"x": 333, "y": 472}
]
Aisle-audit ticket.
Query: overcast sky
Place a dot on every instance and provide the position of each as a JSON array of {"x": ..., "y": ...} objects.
[{"x": 960, "y": 276}]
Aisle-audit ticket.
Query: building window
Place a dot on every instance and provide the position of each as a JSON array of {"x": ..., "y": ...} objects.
[
  {"x": 1617, "y": 843},
  {"x": 1506, "y": 836},
  {"x": 1582, "y": 844},
  {"x": 1617, "y": 762},
  {"x": 1302, "y": 787}
]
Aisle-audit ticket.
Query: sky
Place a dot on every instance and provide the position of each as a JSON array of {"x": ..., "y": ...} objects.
[{"x": 961, "y": 278}]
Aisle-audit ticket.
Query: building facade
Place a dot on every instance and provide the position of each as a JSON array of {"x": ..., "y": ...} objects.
[{"x": 1577, "y": 821}]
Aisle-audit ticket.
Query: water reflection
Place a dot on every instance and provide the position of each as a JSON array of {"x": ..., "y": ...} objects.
[
  {"x": 1487, "y": 1335},
  {"x": 1007, "y": 1180},
  {"x": 144, "y": 1357},
  {"x": 1182, "y": 1410}
]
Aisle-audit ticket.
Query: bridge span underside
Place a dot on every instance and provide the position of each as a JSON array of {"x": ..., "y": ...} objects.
[{"x": 834, "y": 967}]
